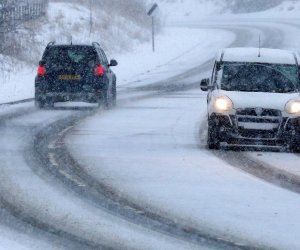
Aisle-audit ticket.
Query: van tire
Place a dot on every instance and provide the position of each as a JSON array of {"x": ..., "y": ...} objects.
[{"x": 213, "y": 135}]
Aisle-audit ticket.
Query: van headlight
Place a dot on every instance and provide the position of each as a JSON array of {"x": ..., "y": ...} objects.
[
  {"x": 293, "y": 107},
  {"x": 223, "y": 103}
]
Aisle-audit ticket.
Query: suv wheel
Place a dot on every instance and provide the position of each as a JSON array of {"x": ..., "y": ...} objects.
[
  {"x": 39, "y": 104},
  {"x": 114, "y": 96},
  {"x": 104, "y": 101},
  {"x": 49, "y": 104},
  {"x": 295, "y": 148},
  {"x": 107, "y": 101},
  {"x": 213, "y": 135}
]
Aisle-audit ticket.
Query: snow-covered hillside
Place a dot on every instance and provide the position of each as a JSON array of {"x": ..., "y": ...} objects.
[
  {"x": 287, "y": 9},
  {"x": 178, "y": 10},
  {"x": 74, "y": 21},
  {"x": 288, "y": 6}
]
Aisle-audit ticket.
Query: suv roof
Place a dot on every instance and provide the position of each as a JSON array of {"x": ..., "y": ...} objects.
[
  {"x": 274, "y": 56},
  {"x": 94, "y": 44}
]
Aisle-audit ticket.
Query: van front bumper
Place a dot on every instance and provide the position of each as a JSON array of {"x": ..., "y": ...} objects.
[{"x": 233, "y": 132}]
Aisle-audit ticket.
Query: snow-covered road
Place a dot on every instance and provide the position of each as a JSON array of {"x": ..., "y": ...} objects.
[{"x": 149, "y": 153}]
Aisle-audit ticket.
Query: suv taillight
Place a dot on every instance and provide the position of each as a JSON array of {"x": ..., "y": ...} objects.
[
  {"x": 99, "y": 70},
  {"x": 41, "y": 70}
]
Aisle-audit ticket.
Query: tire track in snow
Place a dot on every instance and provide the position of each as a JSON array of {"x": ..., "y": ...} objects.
[
  {"x": 69, "y": 172},
  {"x": 12, "y": 216}
]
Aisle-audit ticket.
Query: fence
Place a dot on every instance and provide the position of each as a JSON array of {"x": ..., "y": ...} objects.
[
  {"x": 12, "y": 14},
  {"x": 13, "y": 11}
]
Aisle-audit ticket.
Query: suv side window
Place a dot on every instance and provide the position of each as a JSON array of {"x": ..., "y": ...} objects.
[{"x": 102, "y": 56}]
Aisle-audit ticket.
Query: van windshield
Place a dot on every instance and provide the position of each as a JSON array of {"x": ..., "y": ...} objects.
[{"x": 256, "y": 77}]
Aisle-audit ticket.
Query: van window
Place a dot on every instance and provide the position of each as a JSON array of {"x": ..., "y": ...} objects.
[{"x": 255, "y": 77}]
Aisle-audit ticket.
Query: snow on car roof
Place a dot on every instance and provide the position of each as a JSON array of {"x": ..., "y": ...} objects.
[{"x": 252, "y": 55}]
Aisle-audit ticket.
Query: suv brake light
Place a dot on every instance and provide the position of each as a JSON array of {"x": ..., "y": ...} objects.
[
  {"x": 99, "y": 70},
  {"x": 41, "y": 70}
]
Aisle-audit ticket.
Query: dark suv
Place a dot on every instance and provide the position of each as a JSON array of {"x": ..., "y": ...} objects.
[{"x": 75, "y": 73}]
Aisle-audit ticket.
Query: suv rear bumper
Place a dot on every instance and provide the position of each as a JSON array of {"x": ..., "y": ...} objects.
[
  {"x": 52, "y": 91},
  {"x": 286, "y": 134},
  {"x": 65, "y": 96}
]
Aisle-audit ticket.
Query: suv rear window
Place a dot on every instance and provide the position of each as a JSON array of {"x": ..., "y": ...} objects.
[{"x": 70, "y": 55}]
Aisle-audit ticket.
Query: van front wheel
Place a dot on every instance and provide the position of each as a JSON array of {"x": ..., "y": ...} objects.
[{"x": 213, "y": 135}]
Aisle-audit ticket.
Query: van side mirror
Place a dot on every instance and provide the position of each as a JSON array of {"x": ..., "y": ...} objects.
[
  {"x": 204, "y": 84},
  {"x": 113, "y": 63}
]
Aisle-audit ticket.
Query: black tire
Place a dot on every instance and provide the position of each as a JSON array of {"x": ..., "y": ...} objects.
[
  {"x": 114, "y": 96},
  {"x": 295, "y": 147},
  {"x": 39, "y": 104},
  {"x": 103, "y": 101},
  {"x": 49, "y": 103},
  {"x": 107, "y": 101},
  {"x": 213, "y": 135}
]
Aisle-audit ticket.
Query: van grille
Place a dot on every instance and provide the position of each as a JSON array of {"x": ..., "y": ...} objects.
[{"x": 258, "y": 122}]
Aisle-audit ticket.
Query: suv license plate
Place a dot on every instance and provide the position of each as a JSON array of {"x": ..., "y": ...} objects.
[{"x": 69, "y": 77}]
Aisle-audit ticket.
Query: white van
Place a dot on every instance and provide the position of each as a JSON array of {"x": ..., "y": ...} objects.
[{"x": 253, "y": 99}]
